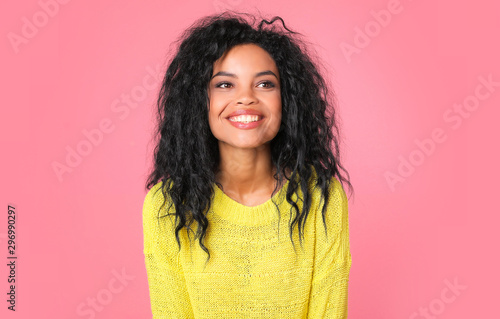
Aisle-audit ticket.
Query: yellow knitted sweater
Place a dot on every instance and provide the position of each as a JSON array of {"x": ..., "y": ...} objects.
[{"x": 253, "y": 271}]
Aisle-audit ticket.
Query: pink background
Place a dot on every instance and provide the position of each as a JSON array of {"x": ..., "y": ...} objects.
[{"x": 437, "y": 226}]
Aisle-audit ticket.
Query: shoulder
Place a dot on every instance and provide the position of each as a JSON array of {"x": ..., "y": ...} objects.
[
  {"x": 336, "y": 193},
  {"x": 154, "y": 191},
  {"x": 158, "y": 232},
  {"x": 336, "y": 209},
  {"x": 155, "y": 200},
  {"x": 153, "y": 196}
]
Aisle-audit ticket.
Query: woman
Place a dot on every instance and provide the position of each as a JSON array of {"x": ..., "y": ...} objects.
[{"x": 244, "y": 145}]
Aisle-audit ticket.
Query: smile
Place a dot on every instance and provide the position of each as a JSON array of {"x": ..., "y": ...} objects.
[
  {"x": 245, "y": 118},
  {"x": 245, "y": 122}
]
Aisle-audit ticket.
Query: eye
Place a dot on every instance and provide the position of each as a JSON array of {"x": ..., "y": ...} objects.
[
  {"x": 221, "y": 85},
  {"x": 269, "y": 83}
]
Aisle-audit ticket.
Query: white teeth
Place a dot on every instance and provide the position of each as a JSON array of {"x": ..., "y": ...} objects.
[{"x": 244, "y": 118}]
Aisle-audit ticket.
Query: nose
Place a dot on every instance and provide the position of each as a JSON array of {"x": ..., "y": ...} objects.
[{"x": 246, "y": 96}]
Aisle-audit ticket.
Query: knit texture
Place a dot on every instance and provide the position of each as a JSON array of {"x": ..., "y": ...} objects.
[{"x": 253, "y": 271}]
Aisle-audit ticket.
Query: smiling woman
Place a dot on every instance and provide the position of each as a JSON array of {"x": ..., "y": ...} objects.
[{"x": 245, "y": 144}]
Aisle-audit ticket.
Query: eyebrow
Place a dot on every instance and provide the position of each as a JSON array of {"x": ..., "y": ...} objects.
[{"x": 224, "y": 73}]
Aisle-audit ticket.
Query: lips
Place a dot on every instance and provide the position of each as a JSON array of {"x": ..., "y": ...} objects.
[{"x": 245, "y": 112}]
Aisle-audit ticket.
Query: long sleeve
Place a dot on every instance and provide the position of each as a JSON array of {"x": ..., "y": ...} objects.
[
  {"x": 328, "y": 298},
  {"x": 167, "y": 286}
]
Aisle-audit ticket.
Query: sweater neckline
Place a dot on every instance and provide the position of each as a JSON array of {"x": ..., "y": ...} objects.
[{"x": 230, "y": 209}]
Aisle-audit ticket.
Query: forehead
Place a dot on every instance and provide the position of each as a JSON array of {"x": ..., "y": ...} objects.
[{"x": 245, "y": 57}]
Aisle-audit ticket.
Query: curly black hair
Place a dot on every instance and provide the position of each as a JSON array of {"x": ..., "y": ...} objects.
[{"x": 183, "y": 137}]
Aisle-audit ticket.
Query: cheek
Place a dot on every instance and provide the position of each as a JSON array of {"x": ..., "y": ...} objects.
[
  {"x": 213, "y": 111},
  {"x": 277, "y": 110},
  {"x": 216, "y": 106},
  {"x": 214, "y": 116}
]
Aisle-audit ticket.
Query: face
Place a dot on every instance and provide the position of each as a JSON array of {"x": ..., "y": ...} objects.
[{"x": 244, "y": 80}]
